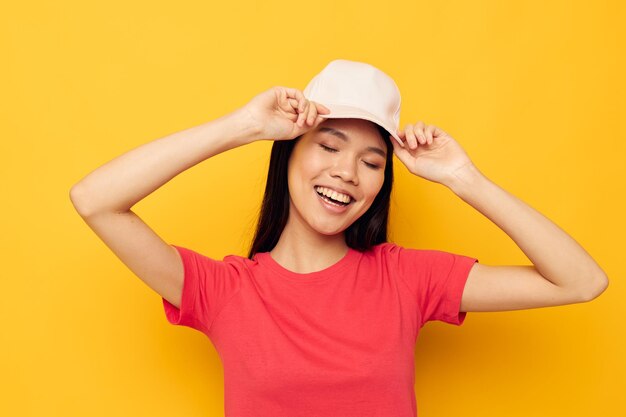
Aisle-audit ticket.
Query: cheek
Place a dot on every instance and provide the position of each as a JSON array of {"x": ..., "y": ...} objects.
[
  {"x": 309, "y": 168},
  {"x": 316, "y": 161},
  {"x": 302, "y": 173},
  {"x": 374, "y": 184}
]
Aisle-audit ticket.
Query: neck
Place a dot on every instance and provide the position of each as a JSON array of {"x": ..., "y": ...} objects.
[{"x": 302, "y": 250}]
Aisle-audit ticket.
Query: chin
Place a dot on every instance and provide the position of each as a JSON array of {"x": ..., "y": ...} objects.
[{"x": 328, "y": 231}]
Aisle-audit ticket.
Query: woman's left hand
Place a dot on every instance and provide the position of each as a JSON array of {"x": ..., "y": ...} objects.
[{"x": 430, "y": 153}]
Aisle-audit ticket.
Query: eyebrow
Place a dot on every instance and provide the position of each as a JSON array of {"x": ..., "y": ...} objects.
[{"x": 345, "y": 138}]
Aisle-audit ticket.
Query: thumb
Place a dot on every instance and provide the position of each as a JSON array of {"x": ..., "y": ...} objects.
[
  {"x": 396, "y": 146},
  {"x": 402, "y": 153}
]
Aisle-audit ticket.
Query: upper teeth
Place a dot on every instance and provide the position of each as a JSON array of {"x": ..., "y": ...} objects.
[{"x": 333, "y": 194}]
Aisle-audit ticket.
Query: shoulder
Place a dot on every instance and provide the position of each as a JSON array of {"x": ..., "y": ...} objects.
[
  {"x": 386, "y": 249},
  {"x": 394, "y": 253},
  {"x": 229, "y": 263},
  {"x": 383, "y": 252},
  {"x": 241, "y": 262}
]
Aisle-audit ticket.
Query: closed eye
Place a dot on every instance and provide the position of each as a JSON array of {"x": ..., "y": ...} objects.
[{"x": 327, "y": 149}]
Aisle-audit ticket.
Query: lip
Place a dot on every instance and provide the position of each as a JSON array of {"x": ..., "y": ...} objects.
[
  {"x": 330, "y": 207},
  {"x": 339, "y": 190}
]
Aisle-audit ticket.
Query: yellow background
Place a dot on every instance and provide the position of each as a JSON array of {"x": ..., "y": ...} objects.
[{"x": 534, "y": 92}]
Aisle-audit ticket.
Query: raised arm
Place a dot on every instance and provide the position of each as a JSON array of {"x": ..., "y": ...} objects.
[
  {"x": 105, "y": 196},
  {"x": 562, "y": 271},
  {"x": 120, "y": 183}
]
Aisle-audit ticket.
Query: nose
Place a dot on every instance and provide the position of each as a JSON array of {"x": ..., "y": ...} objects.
[{"x": 346, "y": 169}]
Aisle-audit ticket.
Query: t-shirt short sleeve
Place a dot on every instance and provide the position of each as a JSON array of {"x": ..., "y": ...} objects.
[
  {"x": 208, "y": 285},
  {"x": 437, "y": 279}
]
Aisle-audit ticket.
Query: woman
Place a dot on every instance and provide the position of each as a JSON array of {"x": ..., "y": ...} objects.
[{"x": 321, "y": 318}]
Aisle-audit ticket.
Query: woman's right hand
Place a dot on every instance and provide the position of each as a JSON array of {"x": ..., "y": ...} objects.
[{"x": 283, "y": 113}]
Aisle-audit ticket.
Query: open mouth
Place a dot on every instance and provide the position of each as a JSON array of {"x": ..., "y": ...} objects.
[{"x": 337, "y": 203}]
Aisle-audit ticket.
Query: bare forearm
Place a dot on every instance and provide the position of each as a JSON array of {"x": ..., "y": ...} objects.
[
  {"x": 122, "y": 182},
  {"x": 555, "y": 254}
]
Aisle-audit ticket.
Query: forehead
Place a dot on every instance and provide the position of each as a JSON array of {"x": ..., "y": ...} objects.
[{"x": 358, "y": 132}]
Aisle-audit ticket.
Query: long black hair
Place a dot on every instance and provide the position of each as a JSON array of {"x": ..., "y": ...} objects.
[{"x": 368, "y": 230}]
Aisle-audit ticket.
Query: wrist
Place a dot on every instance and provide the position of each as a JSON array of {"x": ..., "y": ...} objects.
[
  {"x": 464, "y": 179},
  {"x": 244, "y": 128}
]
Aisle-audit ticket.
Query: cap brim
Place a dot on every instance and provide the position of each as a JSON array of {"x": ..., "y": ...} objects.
[{"x": 348, "y": 112}]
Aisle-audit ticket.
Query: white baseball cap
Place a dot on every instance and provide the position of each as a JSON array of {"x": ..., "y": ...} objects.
[{"x": 352, "y": 89}]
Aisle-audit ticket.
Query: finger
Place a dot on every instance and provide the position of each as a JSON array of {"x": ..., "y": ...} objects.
[
  {"x": 285, "y": 103},
  {"x": 318, "y": 120},
  {"x": 290, "y": 107},
  {"x": 303, "y": 113},
  {"x": 401, "y": 136},
  {"x": 295, "y": 97},
  {"x": 295, "y": 93},
  {"x": 410, "y": 135},
  {"x": 437, "y": 132},
  {"x": 312, "y": 115},
  {"x": 404, "y": 137},
  {"x": 397, "y": 147},
  {"x": 414, "y": 131},
  {"x": 394, "y": 143},
  {"x": 304, "y": 103},
  {"x": 429, "y": 133},
  {"x": 307, "y": 115},
  {"x": 321, "y": 108},
  {"x": 419, "y": 132},
  {"x": 402, "y": 153}
]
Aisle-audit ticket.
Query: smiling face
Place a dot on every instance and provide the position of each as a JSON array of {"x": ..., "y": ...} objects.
[{"x": 346, "y": 155}]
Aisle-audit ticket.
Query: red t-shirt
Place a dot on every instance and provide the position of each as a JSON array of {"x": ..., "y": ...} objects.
[{"x": 339, "y": 342}]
